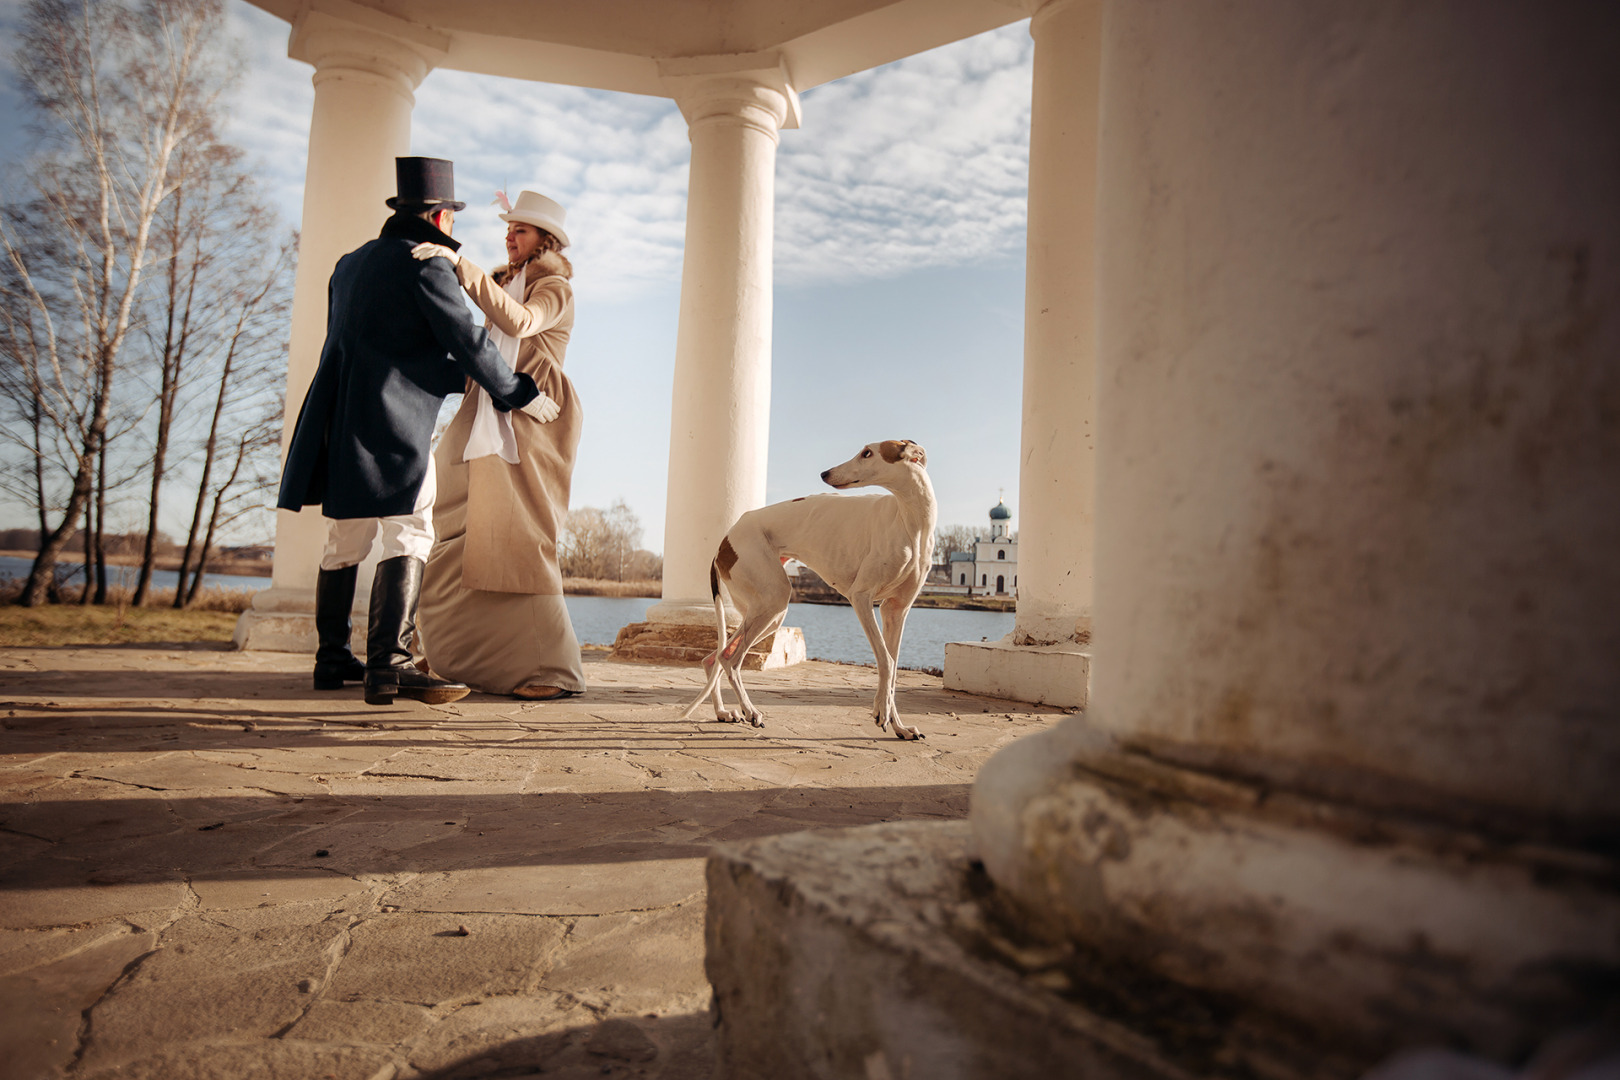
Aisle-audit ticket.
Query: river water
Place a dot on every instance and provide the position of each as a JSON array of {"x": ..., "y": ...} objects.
[{"x": 831, "y": 631}]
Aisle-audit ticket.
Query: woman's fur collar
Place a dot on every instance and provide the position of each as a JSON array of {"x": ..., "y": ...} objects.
[{"x": 543, "y": 264}]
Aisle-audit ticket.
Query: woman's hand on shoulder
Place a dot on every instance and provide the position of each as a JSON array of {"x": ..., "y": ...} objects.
[{"x": 434, "y": 251}]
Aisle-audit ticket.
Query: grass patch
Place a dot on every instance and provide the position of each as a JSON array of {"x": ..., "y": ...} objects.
[
  {"x": 69, "y": 624},
  {"x": 578, "y": 586},
  {"x": 211, "y": 619}
]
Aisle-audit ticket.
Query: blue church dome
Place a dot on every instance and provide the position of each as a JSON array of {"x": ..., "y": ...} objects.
[{"x": 999, "y": 512}]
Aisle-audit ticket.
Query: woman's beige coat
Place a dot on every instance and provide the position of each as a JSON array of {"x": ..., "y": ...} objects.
[{"x": 514, "y": 512}]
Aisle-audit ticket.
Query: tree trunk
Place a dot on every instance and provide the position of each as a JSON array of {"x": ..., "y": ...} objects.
[
  {"x": 101, "y": 525},
  {"x": 89, "y": 553}
]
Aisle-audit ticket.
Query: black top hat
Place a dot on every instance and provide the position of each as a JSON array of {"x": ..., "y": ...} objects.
[{"x": 424, "y": 183}]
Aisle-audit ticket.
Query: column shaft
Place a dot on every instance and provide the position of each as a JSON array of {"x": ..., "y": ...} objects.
[
  {"x": 1057, "y": 467},
  {"x": 360, "y": 121},
  {"x": 1350, "y": 756},
  {"x": 1046, "y": 658},
  {"x": 720, "y": 421}
]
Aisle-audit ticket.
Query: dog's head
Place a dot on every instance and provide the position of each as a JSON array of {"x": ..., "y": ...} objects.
[{"x": 876, "y": 461}]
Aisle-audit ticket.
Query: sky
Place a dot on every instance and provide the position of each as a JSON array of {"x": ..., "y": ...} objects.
[{"x": 899, "y": 252}]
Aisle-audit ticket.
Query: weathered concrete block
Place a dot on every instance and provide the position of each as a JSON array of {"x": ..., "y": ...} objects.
[
  {"x": 275, "y": 631},
  {"x": 1045, "y": 674},
  {"x": 862, "y": 953}
]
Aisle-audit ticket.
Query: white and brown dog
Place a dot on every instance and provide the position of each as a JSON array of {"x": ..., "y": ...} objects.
[{"x": 874, "y": 549}]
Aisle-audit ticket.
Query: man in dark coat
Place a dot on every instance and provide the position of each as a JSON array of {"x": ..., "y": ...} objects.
[{"x": 399, "y": 339}]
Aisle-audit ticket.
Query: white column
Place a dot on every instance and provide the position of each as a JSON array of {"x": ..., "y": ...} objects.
[
  {"x": 720, "y": 417},
  {"x": 361, "y": 120},
  {"x": 1355, "y": 718},
  {"x": 1047, "y": 656}
]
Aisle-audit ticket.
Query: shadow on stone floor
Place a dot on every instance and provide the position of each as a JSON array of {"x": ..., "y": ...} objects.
[
  {"x": 170, "y": 838},
  {"x": 647, "y": 1048}
]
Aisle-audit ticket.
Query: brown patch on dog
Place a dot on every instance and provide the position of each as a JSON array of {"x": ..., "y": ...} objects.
[
  {"x": 799, "y": 499},
  {"x": 726, "y": 558},
  {"x": 894, "y": 450}
]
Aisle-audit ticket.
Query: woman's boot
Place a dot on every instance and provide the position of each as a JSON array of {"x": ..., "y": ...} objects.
[
  {"x": 335, "y": 662},
  {"x": 389, "y": 672}
]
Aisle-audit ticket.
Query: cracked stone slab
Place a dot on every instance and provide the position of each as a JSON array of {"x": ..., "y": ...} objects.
[
  {"x": 75, "y": 905},
  {"x": 280, "y": 1059},
  {"x": 207, "y": 982},
  {"x": 427, "y": 958},
  {"x": 635, "y": 963},
  {"x": 564, "y": 889},
  {"x": 60, "y": 976},
  {"x": 255, "y": 888},
  {"x": 181, "y": 772},
  {"x": 379, "y": 1023}
]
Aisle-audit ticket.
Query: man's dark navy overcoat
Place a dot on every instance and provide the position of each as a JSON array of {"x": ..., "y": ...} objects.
[{"x": 399, "y": 338}]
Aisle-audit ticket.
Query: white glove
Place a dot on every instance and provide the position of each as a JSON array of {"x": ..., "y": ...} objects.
[
  {"x": 543, "y": 408},
  {"x": 434, "y": 251}
]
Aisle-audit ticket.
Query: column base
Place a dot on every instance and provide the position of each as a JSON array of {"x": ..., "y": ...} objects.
[
  {"x": 1363, "y": 929},
  {"x": 283, "y": 620},
  {"x": 678, "y": 643},
  {"x": 865, "y": 952},
  {"x": 1043, "y": 674},
  {"x": 280, "y": 620}
]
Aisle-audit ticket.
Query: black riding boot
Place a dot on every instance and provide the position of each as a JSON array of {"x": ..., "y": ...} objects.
[
  {"x": 389, "y": 672},
  {"x": 335, "y": 662}
]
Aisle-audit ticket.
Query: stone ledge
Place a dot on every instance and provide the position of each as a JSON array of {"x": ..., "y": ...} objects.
[
  {"x": 1043, "y": 674},
  {"x": 851, "y": 953},
  {"x": 684, "y": 643}
]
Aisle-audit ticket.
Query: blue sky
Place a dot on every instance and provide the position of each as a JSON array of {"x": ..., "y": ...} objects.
[{"x": 899, "y": 259}]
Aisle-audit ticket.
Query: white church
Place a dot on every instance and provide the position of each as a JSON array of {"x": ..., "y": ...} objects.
[{"x": 991, "y": 568}]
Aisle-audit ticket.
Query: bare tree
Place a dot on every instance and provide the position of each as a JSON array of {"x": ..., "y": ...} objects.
[
  {"x": 624, "y": 535},
  {"x": 117, "y": 88},
  {"x": 212, "y": 232},
  {"x": 248, "y": 384},
  {"x": 949, "y": 539},
  {"x": 583, "y": 543},
  {"x": 602, "y": 544}
]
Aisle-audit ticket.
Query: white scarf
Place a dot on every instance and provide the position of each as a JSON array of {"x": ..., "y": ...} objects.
[{"x": 491, "y": 429}]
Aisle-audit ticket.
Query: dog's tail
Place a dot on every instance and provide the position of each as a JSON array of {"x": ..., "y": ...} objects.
[{"x": 717, "y": 658}]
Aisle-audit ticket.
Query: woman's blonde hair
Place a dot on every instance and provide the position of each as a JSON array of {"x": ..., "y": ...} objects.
[{"x": 549, "y": 244}]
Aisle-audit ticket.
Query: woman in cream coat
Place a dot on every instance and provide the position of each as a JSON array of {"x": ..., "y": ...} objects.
[{"x": 492, "y": 613}]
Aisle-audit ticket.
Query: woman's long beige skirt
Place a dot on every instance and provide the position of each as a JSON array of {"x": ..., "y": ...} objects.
[{"x": 494, "y": 642}]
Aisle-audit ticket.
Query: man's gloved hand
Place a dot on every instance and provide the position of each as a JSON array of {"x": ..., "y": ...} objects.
[
  {"x": 543, "y": 408},
  {"x": 434, "y": 251}
]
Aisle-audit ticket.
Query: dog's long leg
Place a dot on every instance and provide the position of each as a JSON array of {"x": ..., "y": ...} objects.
[
  {"x": 882, "y": 713},
  {"x": 761, "y": 590},
  {"x": 895, "y": 610},
  {"x": 713, "y": 662},
  {"x": 754, "y": 627}
]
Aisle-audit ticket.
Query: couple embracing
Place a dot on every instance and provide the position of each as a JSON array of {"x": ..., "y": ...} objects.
[{"x": 469, "y": 531}]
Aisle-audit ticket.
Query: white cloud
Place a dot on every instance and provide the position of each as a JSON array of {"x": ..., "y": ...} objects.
[{"x": 918, "y": 163}]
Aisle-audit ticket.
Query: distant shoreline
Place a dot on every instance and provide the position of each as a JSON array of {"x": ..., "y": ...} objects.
[
  {"x": 216, "y": 565},
  {"x": 571, "y": 586},
  {"x": 261, "y": 568}
]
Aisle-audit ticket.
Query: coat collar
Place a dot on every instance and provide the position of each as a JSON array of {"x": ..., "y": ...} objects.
[
  {"x": 410, "y": 227},
  {"x": 546, "y": 264}
]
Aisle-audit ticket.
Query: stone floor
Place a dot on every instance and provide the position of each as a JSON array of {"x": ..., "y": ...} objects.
[{"x": 209, "y": 870}]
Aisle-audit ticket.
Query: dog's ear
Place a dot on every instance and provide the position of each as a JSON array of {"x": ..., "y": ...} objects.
[{"x": 915, "y": 454}]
